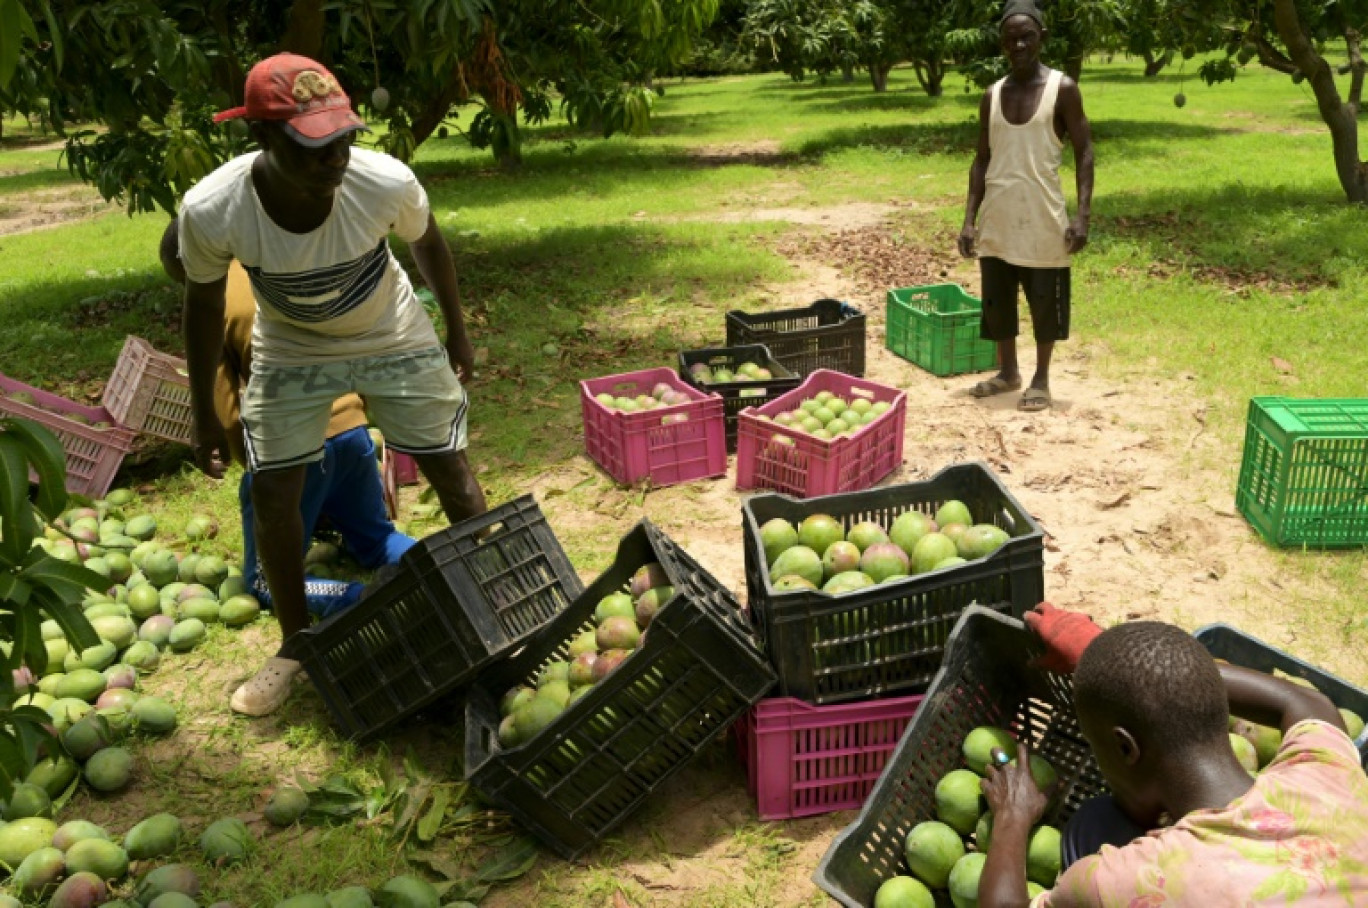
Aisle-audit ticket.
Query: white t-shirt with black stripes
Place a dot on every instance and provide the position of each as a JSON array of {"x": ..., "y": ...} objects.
[{"x": 334, "y": 293}]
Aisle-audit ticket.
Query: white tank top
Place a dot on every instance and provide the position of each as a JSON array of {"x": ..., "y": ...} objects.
[{"x": 1023, "y": 217}]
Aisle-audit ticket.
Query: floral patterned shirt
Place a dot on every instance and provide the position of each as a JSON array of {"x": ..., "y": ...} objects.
[{"x": 1298, "y": 836}]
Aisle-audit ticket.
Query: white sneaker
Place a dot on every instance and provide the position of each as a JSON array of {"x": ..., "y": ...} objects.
[{"x": 267, "y": 690}]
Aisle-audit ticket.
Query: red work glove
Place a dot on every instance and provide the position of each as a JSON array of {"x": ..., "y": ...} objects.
[{"x": 1065, "y": 635}]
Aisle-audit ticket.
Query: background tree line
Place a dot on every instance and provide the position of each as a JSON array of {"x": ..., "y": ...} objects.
[{"x": 152, "y": 72}]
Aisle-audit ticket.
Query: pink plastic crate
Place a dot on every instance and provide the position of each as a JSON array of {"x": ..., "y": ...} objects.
[
  {"x": 803, "y": 760},
  {"x": 634, "y": 446},
  {"x": 92, "y": 455},
  {"x": 770, "y": 456},
  {"x": 149, "y": 392},
  {"x": 405, "y": 468}
]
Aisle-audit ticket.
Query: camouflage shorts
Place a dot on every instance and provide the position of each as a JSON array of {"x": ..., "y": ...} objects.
[{"x": 414, "y": 398}]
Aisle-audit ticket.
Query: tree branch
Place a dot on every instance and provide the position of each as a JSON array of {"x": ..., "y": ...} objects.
[
  {"x": 1356, "y": 67},
  {"x": 426, "y": 121},
  {"x": 1269, "y": 55}
]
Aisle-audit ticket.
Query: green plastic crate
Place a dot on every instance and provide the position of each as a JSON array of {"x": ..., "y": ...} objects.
[
  {"x": 937, "y": 327},
  {"x": 1304, "y": 476}
]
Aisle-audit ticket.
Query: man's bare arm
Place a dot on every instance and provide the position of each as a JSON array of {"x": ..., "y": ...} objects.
[
  {"x": 1080, "y": 136},
  {"x": 433, "y": 258},
  {"x": 978, "y": 179},
  {"x": 203, "y": 327}
]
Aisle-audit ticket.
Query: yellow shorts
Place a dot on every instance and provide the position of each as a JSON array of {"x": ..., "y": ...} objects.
[{"x": 414, "y": 398}]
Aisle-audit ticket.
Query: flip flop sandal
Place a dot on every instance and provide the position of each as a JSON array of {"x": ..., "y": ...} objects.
[
  {"x": 993, "y": 386},
  {"x": 268, "y": 689},
  {"x": 1033, "y": 400}
]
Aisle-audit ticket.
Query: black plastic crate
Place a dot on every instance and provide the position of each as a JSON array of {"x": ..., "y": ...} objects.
[
  {"x": 695, "y": 673},
  {"x": 1238, "y": 648},
  {"x": 888, "y": 639},
  {"x": 986, "y": 680},
  {"x": 829, "y": 334},
  {"x": 461, "y": 598},
  {"x": 738, "y": 395}
]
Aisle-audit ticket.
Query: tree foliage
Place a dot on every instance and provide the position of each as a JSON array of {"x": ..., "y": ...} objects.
[
  {"x": 152, "y": 72},
  {"x": 827, "y": 36},
  {"x": 34, "y": 586}
]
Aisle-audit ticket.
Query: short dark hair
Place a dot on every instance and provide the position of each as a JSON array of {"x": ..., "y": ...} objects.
[{"x": 1155, "y": 680}]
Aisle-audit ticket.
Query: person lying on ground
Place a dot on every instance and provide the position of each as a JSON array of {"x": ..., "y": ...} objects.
[{"x": 1185, "y": 824}]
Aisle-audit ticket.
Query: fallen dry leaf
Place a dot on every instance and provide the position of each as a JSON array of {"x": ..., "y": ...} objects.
[
  {"x": 1115, "y": 502},
  {"x": 1281, "y": 365}
]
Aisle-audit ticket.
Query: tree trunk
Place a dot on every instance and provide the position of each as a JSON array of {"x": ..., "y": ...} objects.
[
  {"x": 1341, "y": 118},
  {"x": 1154, "y": 65},
  {"x": 507, "y": 144},
  {"x": 304, "y": 30},
  {"x": 935, "y": 77},
  {"x": 1073, "y": 67},
  {"x": 847, "y": 73},
  {"x": 929, "y": 75},
  {"x": 426, "y": 121},
  {"x": 878, "y": 75}
]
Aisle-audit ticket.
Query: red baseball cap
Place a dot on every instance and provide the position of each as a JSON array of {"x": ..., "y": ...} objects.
[{"x": 302, "y": 93}]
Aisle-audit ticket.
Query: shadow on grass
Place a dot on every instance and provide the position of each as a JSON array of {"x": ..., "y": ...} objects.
[
  {"x": 36, "y": 179},
  {"x": 599, "y": 170},
  {"x": 1130, "y": 138},
  {"x": 907, "y": 100},
  {"x": 1110, "y": 76},
  {"x": 1281, "y": 234}
]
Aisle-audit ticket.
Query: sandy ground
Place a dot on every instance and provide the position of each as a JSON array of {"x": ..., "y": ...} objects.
[{"x": 1139, "y": 524}]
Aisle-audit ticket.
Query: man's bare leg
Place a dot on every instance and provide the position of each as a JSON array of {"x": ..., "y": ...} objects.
[
  {"x": 1008, "y": 377},
  {"x": 454, "y": 482},
  {"x": 1037, "y": 396},
  {"x": 279, "y": 529}
]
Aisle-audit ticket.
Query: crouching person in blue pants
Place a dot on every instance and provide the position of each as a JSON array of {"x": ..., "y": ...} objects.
[{"x": 343, "y": 487}]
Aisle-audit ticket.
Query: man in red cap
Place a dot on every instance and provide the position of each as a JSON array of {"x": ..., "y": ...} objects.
[{"x": 309, "y": 218}]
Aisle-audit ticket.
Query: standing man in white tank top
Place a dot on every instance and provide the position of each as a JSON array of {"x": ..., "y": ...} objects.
[{"x": 1024, "y": 236}]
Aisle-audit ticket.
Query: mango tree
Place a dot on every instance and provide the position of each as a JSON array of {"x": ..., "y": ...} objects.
[
  {"x": 1287, "y": 36},
  {"x": 142, "y": 78}
]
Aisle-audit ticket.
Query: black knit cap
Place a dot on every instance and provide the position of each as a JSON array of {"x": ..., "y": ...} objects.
[{"x": 1021, "y": 8}]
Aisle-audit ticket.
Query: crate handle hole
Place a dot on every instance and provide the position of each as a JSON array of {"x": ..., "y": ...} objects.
[{"x": 489, "y": 532}]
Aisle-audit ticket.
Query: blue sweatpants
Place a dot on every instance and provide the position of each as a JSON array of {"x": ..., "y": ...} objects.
[{"x": 344, "y": 486}]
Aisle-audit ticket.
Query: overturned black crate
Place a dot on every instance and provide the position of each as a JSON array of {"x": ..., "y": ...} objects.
[
  {"x": 696, "y": 671},
  {"x": 460, "y": 599},
  {"x": 888, "y": 639},
  {"x": 987, "y": 679},
  {"x": 744, "y": 392},
  {"x": 829, "y": 334}
]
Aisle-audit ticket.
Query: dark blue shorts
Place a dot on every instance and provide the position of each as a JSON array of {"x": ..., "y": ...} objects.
[{"x": 1047, "y": 293}]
